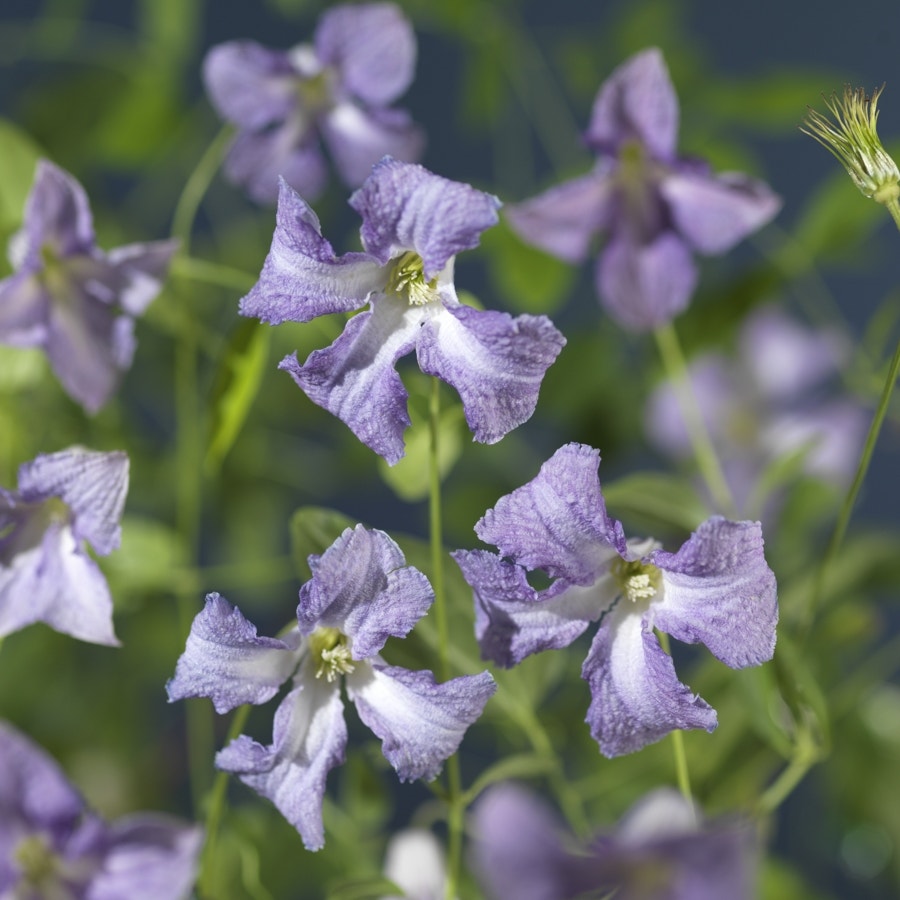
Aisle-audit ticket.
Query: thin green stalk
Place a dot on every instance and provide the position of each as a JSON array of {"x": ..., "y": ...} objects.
[
  {"x": 682, "y": 773},
  {"x": 212, "y": 273},
  {"x": 707, "y": 461},
  {"x": 894, "y": 209},
  {"x": 806, "y": 754}
]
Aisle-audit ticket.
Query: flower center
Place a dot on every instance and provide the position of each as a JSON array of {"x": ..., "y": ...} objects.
[
  {"x": 407, "y": 280},
  {"x": 315, "y": 92},
  {"x": 332, "y": 654},
  {"x": 635, "y": 176},
  {"x": 637, "y": 580},
  {"x": 54, "y": 273},
  {"x": 37, "y": 861}
]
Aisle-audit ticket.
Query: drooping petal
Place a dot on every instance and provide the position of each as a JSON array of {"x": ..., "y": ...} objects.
[
  {"x": 355, "y": 380},
  {"x": 714, "y": 212},
  {"x": 494, "y": 361},
  {"x": 373, "y": 48},
  {"x": 558, "y": 520},
  {"x": 406, "y": 207},
  {"x": 420, "y": 722},
  {"x": 310, "y": 737},
  {"x": 91, "y": 483},
  {"x": 643, "y": 286},
  {"x": 141, "y": 269},
  {"x": 225, "y": 660},
  {"x": 302, "y": 278},
  {"x": 564, "y": 219},
  {"x": 636, "y": 698},
  {"x": 637, "y": 102},
  {"x": 24, "y": 304},
  {"x": 362, "y": 586},
  {"x": 513, "y": 620},
  {"x": 249, "y": 84},
  {"x": 719, "y": 590},
  {"x": 358, "y": 138}
]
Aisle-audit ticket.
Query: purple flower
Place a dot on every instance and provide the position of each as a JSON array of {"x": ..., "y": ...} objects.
[
  {"x": 414, "y": 224},
  {"x": 70, "y": 298},
  {"x": 52, "y": 847},
  {"x": 64, "y": 500},
  {"x": 361, "y": 593},
  {"x": 655, "y": 208},
  {"x": 659, "y": 851},
  {"x": 338, "y": 89},
  {"x": 717, "y": 589}
]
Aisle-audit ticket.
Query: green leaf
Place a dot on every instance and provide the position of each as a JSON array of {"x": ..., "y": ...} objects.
[
  {"x": 21, "y": 367},
  {"x": 19, "y": 154},
  {"x": 656, "y": 497},
  {"x": 801, "y": 693},
  {"x": 236, "y": 386},
  {"x": 313, "y": 530}
]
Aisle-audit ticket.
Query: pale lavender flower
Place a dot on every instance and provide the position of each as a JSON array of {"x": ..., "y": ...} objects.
[
  {"x": 414, "y": 861},
  {"x": 654, "y": 208},
  {"x": 53, "y": 848},
  {"x": 71, "y": 299},
  {"x": 361, "y": 593},
  {"x": 337, "y": 90},
  {"x": 64, "y": 501},
  {"x": 414, "y": 224},
  {"x": 659, "y": 851},
  {"x": 717, "y": 589}
]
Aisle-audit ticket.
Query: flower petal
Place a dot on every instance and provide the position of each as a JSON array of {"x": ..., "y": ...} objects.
[
  {"x": 355, "y": 380},
  {"x": 225, "y": 660},
  {"x": 420, "y": 723},
  {"x": 636, "y": 698},
  {"x": 564, "y": 219},
  {"x": 715, "y": 212},
  {"x": 719, "y": 590},
  {"x": 301, "y": 277},
  {"x": 309, "y": 741},
  {"x": 24, "y": 304},
  {"x": 494, "y": 361},
  {"x": 406, "y": 207},
  {"x": 558, "y": 520},
  {"x": 373, "y": 48},
  {"x": 643, "y": 286},
  {"x": 141, "y": 269},
  {"x": 636, "y": 102},
  {"x": 414, "y": 861}
]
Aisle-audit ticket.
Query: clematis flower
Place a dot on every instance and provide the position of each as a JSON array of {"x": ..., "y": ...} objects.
[
  {"x": 337, "y": 89},
  {"x": 64, "y": 501},
  {"x": 414, "y": 862},
  {"x": 659, "y": 851},
  {"x": 71, "y": 299},
  {"x": 53, "y": 848},
  {"x": 414, "y": 224},
  {"x": 717, "y": 589},
  {"x": 361, "y": 593},
  {"x": 654, "y": 208}
]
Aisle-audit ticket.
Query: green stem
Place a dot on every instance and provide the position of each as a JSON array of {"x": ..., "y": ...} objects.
[
  {"x": 707, "y": 461},
  {"x": 682, "y": 774},
  {"x": 805, "y": 756},
  {"x": 894, "y": 209},
  {"x": 202, "y": 270}
]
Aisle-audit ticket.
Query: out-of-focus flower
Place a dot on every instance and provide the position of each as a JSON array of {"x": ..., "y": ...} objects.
[
  {"x": 53, "y": 848},
  {"x": 853, "y": 139},
  {"x": 338, "y": 89},
  {"x": 64, "y": 500},
  {"x": 659, "y": 851},
  {"x": 415, "y": 863},
  {"x": 717, "y": 589},
  {"x": 71, "y": 299},
  {"x": 361, "y": 593},
  {"x": 655, "y": 208},
  {"x": 771, "y": 399},
  {"x": 414, "y": 224}
]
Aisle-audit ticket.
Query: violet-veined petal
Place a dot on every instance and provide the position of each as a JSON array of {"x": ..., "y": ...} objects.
[
  {"x": 141, "y": 269},
  {"x": 24, "y": 304}
]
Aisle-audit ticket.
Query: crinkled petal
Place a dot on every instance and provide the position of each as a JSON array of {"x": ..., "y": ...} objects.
[
  {"x": 93, "y": 484},
  {"x": 513, "y": 620},
  {"x": 24, "y": 306},
  {"x": 643, "y": 286},
  {"x": 141, "y": 269},
  {"x": 362, "y": 586},
  {"x": 637, "y": 102},
  {"x": 719, "y": 590},
  {"x": 558, "y": 520},
  {"x": 636, "y": 698},
  {"x": 494, "y": 361},
  {"x": 309, "y": 741},
  {"x": 420, "y": 723},
  {"x": 249, "y": 84},
  {"x": 355, "y": 380},
  {"x": 358, "y": 138},
  {"x": 302, "y": 278},
  {"x": 373, "y": 48},
  {"x": 225, "y": 660},
  {"x": 715, "y": 212},
  {"x": 564, "y": 219},
  {"x": 406, "y": 207},
  {"x": 147, "y": 857}
]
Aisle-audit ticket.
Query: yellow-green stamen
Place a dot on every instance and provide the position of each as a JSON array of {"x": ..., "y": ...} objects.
[
  {"x": 407, "y": 280},
  {"x": 637, "y": 580},
  {"x": 331, "y": 651}
]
